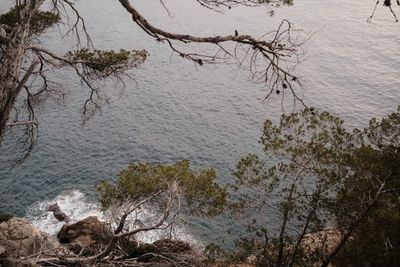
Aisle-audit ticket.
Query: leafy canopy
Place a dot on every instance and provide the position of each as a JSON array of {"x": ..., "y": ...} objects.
[
  {"x": 202, "y": 195},
  {"x": 40, "y": 21},
  {"x": 100, "y": 64},
  {"x": 315, "y": 175}
]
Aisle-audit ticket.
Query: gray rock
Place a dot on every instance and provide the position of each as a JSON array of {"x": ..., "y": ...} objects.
[
  {"x": 18, "y": 239},
  {"x": 85, "y": 237},
  {"x": 2, "y": 252}
]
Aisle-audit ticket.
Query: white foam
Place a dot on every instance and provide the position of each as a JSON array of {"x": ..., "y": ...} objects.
[
  {"x": 77, "y": 207},
  {"x": 73, "y": 203}
]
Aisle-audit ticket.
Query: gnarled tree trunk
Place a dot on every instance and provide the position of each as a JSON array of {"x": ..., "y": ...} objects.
[{"x": 15, "y": 43}]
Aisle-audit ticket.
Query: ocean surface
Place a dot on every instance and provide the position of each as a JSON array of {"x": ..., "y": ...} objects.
[{"x": 211, "y": 115}]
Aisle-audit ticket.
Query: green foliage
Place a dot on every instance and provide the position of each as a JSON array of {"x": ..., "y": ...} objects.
[
  {"x": 214, "y": 253},
  {"x": 285, "y": 2},
  {"x": 377, "y": 240},
  {"x": 257, "y": 252},
  {"x": 101, "y": 63},
  {"x": 375, "y": 243},
  {"x": 316, "y": 174},
  {"x": 202, "y": 195},
  {"x": 305, "y": 148},
  {"x": 5, "y": 217},
  {"x": 40, "y": 21},
  {"x": 288, "y": 2}
]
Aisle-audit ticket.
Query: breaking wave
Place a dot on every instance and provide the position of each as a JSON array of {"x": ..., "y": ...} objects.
[{"x": 77, "y": 207}]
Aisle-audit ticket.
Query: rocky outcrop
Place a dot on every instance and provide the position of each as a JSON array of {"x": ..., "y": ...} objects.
[
  {"x": 85, "y": 237},
  {"x": 19, "y": 240},
  {"x": 89, "y": 236},
  {"x": 58, "y": 214},
  {"x": 22, "y": 245},
  {"x": 325, "y": 240}
]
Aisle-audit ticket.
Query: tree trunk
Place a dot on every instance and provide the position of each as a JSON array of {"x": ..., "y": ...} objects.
[{"x": 13, "y": 56}]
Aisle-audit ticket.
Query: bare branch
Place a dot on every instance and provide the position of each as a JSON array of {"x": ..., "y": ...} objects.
[
  {"x": 268, "y": 55},
  {"x": 21, "y": 123},
  {"x": 135, "y": 207}
]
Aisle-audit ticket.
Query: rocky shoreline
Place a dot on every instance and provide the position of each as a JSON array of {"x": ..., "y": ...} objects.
[
  {"x": 21, "y": 244},
  {"x": 79, "y": 244}
]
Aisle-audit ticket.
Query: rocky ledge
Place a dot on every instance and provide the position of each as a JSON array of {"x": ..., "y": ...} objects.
[
  {"x": 80, "y": 243},
  {"x": 22, "y": 245},
  {"x": 20, "y": 242}
]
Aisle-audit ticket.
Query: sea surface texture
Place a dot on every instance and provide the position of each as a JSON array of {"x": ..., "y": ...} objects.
[{"x": 173, "y": 110}]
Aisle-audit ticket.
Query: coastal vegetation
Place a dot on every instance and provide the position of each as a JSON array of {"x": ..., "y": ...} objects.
[
  {"x": 326, "y": 178},
  {"x": 320, "y": 194},
  {"x": 335, "y": 193}
]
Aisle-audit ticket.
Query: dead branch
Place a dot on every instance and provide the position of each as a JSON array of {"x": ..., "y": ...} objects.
[
  {"x": 212, "y": 4},
  {"x": 171, "y": 209},
  {"x": 134, "y": 208},
  {"x": 94, "y": 95},
  {"x": 21, "y": 123},
  {"x": 268, "y": 54}
]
